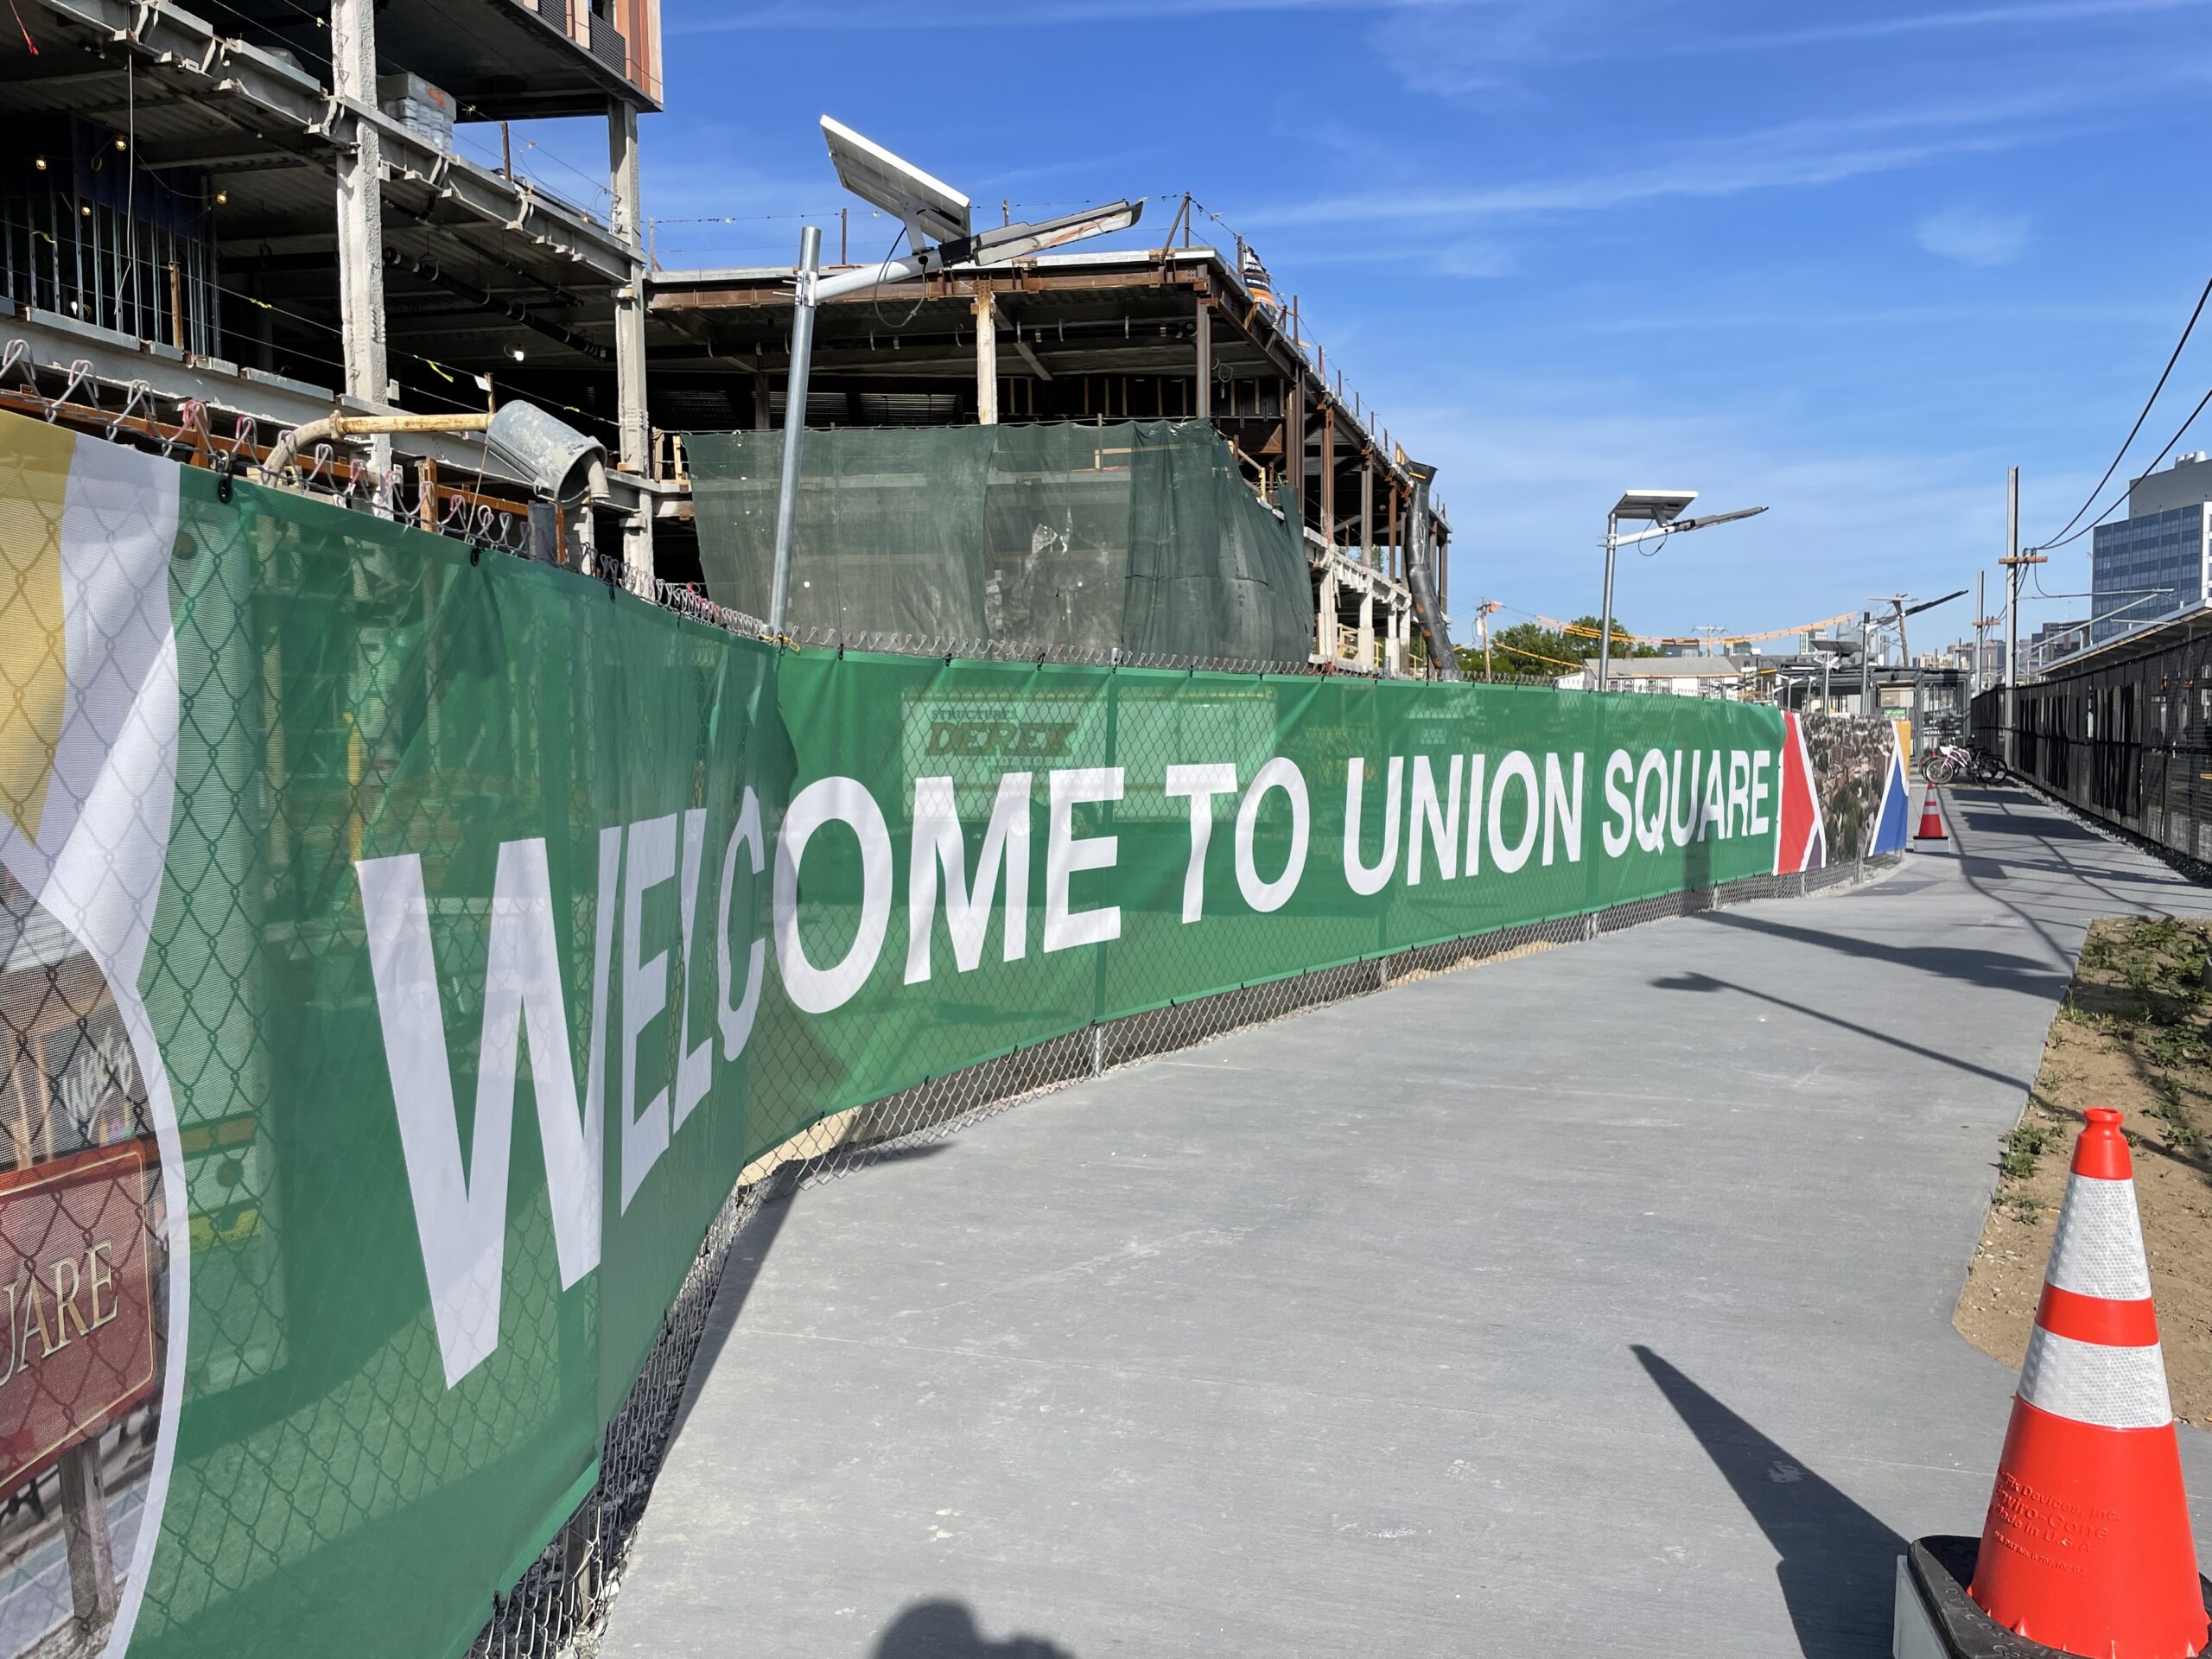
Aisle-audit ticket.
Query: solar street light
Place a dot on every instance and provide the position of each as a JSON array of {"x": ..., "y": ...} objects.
[
  {"x": 1663, "y": 509},
  {"x": 940, "y": 232}
]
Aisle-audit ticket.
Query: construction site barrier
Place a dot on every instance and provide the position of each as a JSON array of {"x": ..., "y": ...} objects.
[{"x": 416, "y": 960}]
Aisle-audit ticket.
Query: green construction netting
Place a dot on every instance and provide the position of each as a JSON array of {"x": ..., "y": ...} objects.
[{"x": 1139, "y": 536}]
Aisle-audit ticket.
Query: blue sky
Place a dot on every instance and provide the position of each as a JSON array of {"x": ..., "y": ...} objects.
[{"x": 1850, "y": 262}]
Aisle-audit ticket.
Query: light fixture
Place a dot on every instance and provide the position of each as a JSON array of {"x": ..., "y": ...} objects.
[
  {"x": 40, "y": 163},
  {"x": 222, "y": 197},
  {"x": 940, "y": 232},
  {"x": 1662, "y": 510},
  {"x": 119, "y": 144},
  {"x": 84, "y": 209},
  {"x": 515, "y": 352}
]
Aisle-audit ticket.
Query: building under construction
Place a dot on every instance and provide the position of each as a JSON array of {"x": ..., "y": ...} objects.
[{"x": 223, "y": 220}]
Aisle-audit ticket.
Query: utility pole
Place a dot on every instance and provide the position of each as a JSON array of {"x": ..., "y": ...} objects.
[
  {"x": 1981, "y": 619},
  {"x": 2011, "y": 612},
  {"x": 2013, "y": 561}
]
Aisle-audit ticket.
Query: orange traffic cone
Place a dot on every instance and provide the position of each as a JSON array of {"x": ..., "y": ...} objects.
[
  {"x": 1931, "y": 820},
  {"x": 2087, "y": 1547}
]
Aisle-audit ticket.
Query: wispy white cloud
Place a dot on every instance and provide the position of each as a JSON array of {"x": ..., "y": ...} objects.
[
  {"x": 1973, "y": 237},
  {"x": 1474, "y": 259},
  {"x": 978, "y": 14},
  {"x": 1825, "y": 150},
  {"x": 1543, "y": 467},
  {"x": 1490, "y": 51},
  {"x": 2036, "y": 12}
]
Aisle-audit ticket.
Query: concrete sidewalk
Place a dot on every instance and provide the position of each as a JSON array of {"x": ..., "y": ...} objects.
[{"x": 1596, "y": 1300}]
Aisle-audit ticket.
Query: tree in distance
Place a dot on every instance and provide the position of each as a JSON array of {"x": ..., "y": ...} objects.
[{"x": 1531, "y": 649}]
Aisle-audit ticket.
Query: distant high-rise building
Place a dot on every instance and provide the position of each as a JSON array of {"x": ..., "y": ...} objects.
[{"x": 2152, "y": 562}]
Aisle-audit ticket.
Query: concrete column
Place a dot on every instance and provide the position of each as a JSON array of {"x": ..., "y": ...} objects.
[
  {"x": 1329, "y": 476},
  {"x": 1202, "y": 403},
  {"x": 987, "y": 359},
  {"x": 1366, "y": 511},
  {"x": 631, "y": 420},
  {"x": 1367, "y": 625},
  {"x": 1325, "y": 613},
  {"x": 760, "y": 401},
  {"x": 360, "y": 220}
]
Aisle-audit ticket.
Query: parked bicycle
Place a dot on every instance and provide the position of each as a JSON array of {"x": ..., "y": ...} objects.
[{"x": 1948, "y": 763}]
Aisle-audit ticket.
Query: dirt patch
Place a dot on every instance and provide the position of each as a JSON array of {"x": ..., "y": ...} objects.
[{"x": 2135, "y": 1035}]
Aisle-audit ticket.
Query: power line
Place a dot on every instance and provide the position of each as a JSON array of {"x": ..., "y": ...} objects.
[
  {"x": 2122, "y": 455},
  {"x": 2109, "y": 506}
]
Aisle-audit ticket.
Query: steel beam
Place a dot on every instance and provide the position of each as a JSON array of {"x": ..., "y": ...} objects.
[{"x": 243, "y": 84}]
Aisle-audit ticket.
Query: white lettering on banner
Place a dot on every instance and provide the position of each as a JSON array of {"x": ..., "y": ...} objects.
[
  {"x": 649, "y": 861},
  {"x": 1619, "y": 765},
  {"x": 831, "y": 800},
  {"x": 1712, "y": 808},
  {"x": 1201, "y": 783},
  {"x": 1518, "y": 765},
  {"x": 1367, "y": 880},
  {"x": 1563, "y": 809},
  {"x": 737, "y": 1022},
  {"x": 1477, "y": 766},
  {"x": 938, "y": 842},
  {"x": 695, "y": 1070},
  {"x": 1739, "y": 794},
  {"x": 1264, "y": 896},
  {"x": 1761, "y": 759},
  {"x": 1436, "y": 823},
  {"x": 461, "y": 1216},
  {"x": 1682, "y": 813},
  {"x": 1651, "y": 831},
  {"x": 1066, "y": 855}
]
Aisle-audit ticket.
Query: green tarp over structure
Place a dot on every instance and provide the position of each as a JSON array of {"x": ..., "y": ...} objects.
[{"x": 1141, "y": 537}]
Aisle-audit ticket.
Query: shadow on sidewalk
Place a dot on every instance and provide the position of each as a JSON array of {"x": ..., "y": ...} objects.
[
  {"x": 1991, "y": 970},
  {"x": 1705, "y": 984},
  {"x": 946, "y": 1630},
  {"x": 748, "y": 1254},
  {"x": 1839, "y": 1563}
]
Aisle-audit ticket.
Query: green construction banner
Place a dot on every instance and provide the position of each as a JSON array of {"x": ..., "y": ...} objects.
[{"x": 410, "y": 947}]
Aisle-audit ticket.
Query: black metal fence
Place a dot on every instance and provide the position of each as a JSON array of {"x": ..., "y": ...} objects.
[{"x": 2125, "y": 735}]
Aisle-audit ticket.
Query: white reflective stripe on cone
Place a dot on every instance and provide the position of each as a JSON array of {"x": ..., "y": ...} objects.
[
  {"x": 2090, "y": 1382},
  {"x": 2099, "y": 1250}
]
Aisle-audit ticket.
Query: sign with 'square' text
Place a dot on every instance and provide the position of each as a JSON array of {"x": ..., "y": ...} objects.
[{"x": 76, "y": 1295}]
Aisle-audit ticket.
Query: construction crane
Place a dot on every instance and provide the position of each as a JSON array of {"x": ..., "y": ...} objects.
[
  {"x": 1900, "y": 608},
  {"x": 1581, "y": 631}
]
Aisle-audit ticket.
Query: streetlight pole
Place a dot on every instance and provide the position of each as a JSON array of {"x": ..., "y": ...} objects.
[
  {"x": 939, "y": 232},
  {"x": 1865, "y": 662},
  {"x": 1606, "y": 626},
  {"x": 806, "y": 301},
  {"x": 1662, "y": 508}
]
